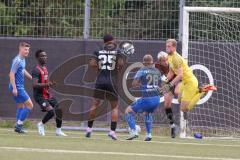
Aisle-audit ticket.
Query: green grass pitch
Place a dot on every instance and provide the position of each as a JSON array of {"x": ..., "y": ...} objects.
[{"x": 30, "y": 146}]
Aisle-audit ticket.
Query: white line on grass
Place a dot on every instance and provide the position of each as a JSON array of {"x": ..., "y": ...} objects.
[
  {"x": 140, "y": 141},
  {"x": 20, "y": 149}
]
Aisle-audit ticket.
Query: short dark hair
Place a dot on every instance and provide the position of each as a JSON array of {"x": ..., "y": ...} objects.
[
  {"x": 24, "y": 44},
  {"x": 108, "y": 38},
  {"x": 37, "y": 53}
]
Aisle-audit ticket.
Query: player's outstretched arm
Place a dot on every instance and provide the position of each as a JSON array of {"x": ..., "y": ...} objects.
[
  {"x": 170, "y": 75},
  {"x": 12, "y": 81},
  {"x": 93, "y": 63},
  {"x": 169, "y": 85},
  {"x": 120, "y": 63},
  {"x": 28, "y": 75},
  {"x": 178, "y": 77},
  {"x": 137, "y": 79},
  {"x": 136, "y": 83}
]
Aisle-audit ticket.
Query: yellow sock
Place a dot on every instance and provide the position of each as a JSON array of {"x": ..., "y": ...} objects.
[{"x": 195, "y": 99}]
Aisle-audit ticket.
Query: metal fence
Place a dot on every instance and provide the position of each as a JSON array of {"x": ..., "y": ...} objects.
[
  {"x": 152, "y": 19},
  {"x": 41, "y": 18},
  {"x": 126, "y": 19}
]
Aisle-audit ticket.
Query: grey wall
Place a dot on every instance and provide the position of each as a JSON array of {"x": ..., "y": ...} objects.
[{"x": 222, "y": 108}]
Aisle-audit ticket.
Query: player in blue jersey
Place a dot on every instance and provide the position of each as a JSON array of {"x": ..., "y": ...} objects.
[
  {"x": 16, "y": 86},
  {"x": 147, "y": 80}
]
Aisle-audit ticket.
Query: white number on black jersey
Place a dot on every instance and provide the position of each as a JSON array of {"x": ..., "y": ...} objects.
[{"x": 107, "y": 62}]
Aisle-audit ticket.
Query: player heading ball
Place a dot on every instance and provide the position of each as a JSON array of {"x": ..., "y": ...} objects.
[{"x": 107, "y": 62}]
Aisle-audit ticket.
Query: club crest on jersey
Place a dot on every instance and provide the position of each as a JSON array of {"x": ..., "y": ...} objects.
[{"x": 45, "y": 77}]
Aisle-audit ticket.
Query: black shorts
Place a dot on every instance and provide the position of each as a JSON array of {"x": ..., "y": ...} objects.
[
  {"x": 107, "y": 91},
  {"x": 44, "y": 103}
]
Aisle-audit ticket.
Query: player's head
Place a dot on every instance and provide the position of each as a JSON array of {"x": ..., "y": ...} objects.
[
  {"x": 163, "y": 58},
  {"x": 41, "y": 56},
  {"x": 24, "y": 49},
  {"x": 108, "y": 38},
  {"x": 148, "y": 60},
  {"x": 171, "y": 46}
]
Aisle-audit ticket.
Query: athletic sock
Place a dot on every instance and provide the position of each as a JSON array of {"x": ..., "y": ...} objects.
[
  {"x": 24, "y": 114},
  {"x": 169, "y": 114},
  {"x": 18, "y": 113},
  {"x": 130, "y": 120},
  {"x": 148, "y": 123},
  {"x": 19, "y": 122},
  {"x": 113, "y": 126},
  {"x": 58, "y": 122},
  {"x": 47, "y": 116},
  {"x": 149, "y": 135},
  {"x": 185, "y": 115},
  {"x": 90, "y": 123}
]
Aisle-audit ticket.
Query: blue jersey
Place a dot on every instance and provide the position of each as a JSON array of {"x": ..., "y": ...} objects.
[
  {"x": 150, "y": 79},
  {"x": 18, "y": 67}
]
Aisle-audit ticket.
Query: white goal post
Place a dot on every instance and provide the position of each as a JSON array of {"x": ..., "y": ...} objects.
[{"x": 210, "y": 39}]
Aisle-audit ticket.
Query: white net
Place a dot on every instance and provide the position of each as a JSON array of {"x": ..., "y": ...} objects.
[{"x": 214, "y": 42}]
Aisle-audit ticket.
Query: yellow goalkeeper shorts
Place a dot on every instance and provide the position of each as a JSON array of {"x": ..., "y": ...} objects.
[{"x": 189, "y": 89}]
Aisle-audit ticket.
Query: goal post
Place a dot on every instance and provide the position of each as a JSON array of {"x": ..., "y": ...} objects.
[{"x": 211, "y": 45}]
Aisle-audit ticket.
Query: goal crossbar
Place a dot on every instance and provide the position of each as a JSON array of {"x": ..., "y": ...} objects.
[{"x": 212, "y": 9}]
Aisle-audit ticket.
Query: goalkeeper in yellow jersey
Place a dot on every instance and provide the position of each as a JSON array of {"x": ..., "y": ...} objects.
[{"x": 189, "y": 93}]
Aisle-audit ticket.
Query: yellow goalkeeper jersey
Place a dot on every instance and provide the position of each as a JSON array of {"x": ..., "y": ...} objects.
[{"x": 176, "y": 61}]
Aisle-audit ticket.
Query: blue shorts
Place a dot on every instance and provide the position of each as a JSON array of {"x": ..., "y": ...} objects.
[
  {"x": 146, "y": 104},
  {"x": 22, "y": 95}
]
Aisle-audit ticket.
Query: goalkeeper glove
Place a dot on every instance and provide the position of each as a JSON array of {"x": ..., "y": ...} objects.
[{"x": 167, "y": 87}]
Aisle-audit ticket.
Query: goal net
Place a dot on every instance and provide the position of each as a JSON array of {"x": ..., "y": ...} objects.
[{"x": 211, "y": 44}]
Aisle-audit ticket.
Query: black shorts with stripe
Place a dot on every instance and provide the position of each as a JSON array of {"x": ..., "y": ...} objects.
[{"x": 44, "y": 103}]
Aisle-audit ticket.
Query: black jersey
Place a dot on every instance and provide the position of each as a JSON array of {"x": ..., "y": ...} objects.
[{"x": 107, "y": 62}]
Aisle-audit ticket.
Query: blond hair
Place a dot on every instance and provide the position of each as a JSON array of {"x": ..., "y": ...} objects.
[
  {"x": 162, "y": 54},
  {"x": 173, "y": 41}
]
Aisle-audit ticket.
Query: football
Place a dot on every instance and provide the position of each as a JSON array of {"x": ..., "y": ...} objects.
[
  {"x": 138, "y": 128},
  {"x": 127, "y": 48}
]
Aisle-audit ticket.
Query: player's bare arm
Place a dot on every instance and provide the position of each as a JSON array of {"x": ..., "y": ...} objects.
[
  {"x": 170, "y": 75},
  {"x": 136, "y": 83},
  {"x": 120, "y": 63},
  {"x": 178, "y": 78},
  {"x": 41, "y": 85},
  {"x": 12, "y": 81},
  {"x": 28, "y": 75},
  {"x": 93, "y": 63}
]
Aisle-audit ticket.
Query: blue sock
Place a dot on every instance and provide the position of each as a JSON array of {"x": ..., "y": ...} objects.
[
  {"x": 24, "y": 114},
  {"x": 131, "y": 120},
  {"x": 18, "y": 113},
  {"x": 148, "y": 123}
]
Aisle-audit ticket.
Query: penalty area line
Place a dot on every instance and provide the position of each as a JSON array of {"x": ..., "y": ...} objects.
[{"x": 39, "y": 150}]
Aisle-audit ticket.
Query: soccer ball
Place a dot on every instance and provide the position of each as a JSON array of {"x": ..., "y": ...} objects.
[
  {"x": 138, "y": 128},
  {"x": 127, "y": 48}
]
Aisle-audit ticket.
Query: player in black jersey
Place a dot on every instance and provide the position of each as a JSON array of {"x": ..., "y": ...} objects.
[
  {"x": 42, "y": 95},
  {"x": 107, "y": 62}
]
